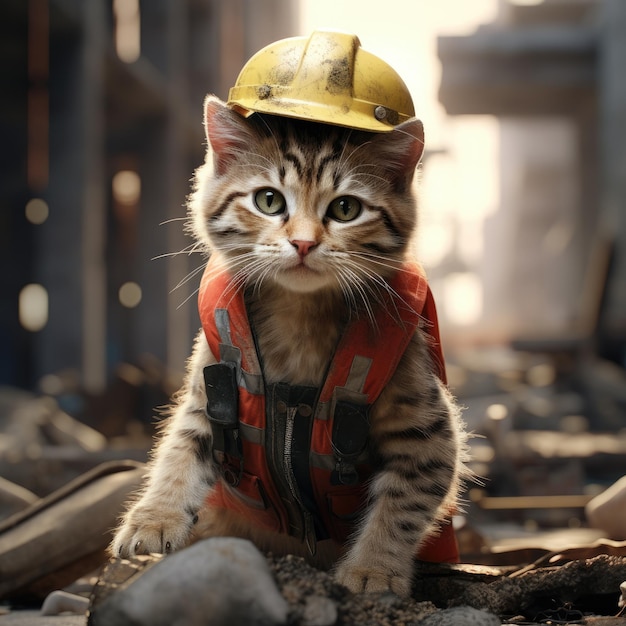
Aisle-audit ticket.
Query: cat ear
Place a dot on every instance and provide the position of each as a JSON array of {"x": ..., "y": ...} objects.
[
  {"x": 401, "y": 151},
  {"x": 227, "y": 133}
]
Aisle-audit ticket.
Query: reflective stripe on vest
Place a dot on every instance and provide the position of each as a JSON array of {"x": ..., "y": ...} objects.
[{"x": 364, "y": 361}]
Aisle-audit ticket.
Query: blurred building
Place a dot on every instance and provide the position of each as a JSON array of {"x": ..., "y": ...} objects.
[
  {"x": 552, "y": 72},
  {"x": 101, "y": 120}
]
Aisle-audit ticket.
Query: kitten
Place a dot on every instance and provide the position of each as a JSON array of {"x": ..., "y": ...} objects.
[{"x": 310, "y": 222}]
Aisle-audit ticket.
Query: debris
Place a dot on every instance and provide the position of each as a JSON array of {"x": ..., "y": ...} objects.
[
  {"x": 607, "y": 511},
  {"x": 213, "y": 582},
  {"x": 59, "y": 602},
  {"x": 319, "y": 611},
  {"x": 555, "y": 587},
  {"x": 42, "y": 448},
  {"x": 461, "y": 616},
  {"x": 65, "y": 535},
  {"x": 298, "y": 581},
  {"x": 527, "y": 591},
  {"x": 14, "y": 498}
]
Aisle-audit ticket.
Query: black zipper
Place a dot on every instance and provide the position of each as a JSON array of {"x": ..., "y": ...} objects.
[
  {"x": 280, "y": 421},
  {"x": 307, "y": 517}
]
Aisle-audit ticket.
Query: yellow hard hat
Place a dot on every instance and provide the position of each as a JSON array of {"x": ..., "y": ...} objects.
[{"x": 327, "y": 78}]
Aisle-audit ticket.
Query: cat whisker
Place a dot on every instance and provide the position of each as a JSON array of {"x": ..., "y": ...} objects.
[
  {"x": 251, "y": 267},
  {"x": 378, "y": 259},
  {"x": 394, "y": 298},
  {"x": 367, "y": 275},
  {"x": 236, "y": 262},
  {"x": 192, "y": 248},
  {"x": 239, "y": 277},
  {"x": 358, "y": 286},
  {"x": 231, "y": 288},
  {"x": 173, "y": 219},
  {"x": 259, "y": 269},
  {"x": 349, "y": 297},
  {"x": 265, "y": 272},
  {"x": 391, "y": 262},
  {"x": 382, "y": 261},
  {"x": 188, "y": 277},
  {"x": 377, "y": 285},
  {"x": 216, "y": 271},
  {"x": 189, "y": 297}
]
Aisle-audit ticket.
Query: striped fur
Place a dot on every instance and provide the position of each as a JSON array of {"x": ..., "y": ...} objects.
[{"x": 305, "y": 273}]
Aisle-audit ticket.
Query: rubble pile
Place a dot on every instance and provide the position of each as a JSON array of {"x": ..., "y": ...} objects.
[{"x": 226, "y": 580}]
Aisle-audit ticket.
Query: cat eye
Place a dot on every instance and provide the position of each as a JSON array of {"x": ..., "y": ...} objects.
[
  {"x": 270, "y": 201},
  {"x": 344, "y": 209}
]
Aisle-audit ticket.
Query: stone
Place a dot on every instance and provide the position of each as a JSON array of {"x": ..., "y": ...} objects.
[
  {"x": 319, "y": 611},
  {"x": 217, "y": 581},
  {"x": 461, "y": 616}
]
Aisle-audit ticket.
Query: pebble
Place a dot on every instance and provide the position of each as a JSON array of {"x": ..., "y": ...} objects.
[
  {"x": 319, "y": 611},
  {"x": 214, "y": 582}
]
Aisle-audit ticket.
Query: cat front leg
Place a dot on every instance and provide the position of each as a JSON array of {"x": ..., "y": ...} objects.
[
  {"x": 179, "y": 476},
  {"x": 414, "y": 490}
]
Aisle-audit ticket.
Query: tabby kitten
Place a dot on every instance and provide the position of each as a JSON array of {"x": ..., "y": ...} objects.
[{"x": 311, "y": 221}]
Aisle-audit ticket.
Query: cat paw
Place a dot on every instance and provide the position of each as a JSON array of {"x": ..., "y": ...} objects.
[
  {"x": 147, "y": 530},
  {"x": 373, "y": 580}
]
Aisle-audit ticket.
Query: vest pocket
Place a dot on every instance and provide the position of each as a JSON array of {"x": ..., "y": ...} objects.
[
  {"x": 345, "y": 507},
  {"x": 250, "y": 500}
]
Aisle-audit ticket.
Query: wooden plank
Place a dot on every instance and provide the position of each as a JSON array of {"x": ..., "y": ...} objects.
[{"x": 533, "y": 502}]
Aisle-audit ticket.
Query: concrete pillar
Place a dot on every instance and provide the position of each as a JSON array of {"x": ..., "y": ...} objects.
[
  {"x": 612, "y": 104},
  {"x": 70, "y": 249}
]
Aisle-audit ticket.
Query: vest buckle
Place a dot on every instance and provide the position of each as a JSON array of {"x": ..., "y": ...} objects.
[{"x": 345, "y": 474}]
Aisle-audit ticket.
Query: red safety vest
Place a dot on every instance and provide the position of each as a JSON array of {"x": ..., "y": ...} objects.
[{"x": 257, "y": 425}]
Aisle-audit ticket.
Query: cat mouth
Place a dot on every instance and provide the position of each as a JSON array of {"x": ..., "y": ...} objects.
[
  {"x": 301, "y": 278},
  {"x": 302, "y": 268},
  {"x": 301, "y": 271}
]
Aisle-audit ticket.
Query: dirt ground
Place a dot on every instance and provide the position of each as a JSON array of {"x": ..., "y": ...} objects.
[{"x": 34, "y": 618}]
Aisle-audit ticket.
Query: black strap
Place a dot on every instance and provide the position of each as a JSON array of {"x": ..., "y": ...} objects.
[
  {"x": 350, "y": 437},
  {"x": 220, "y": 380}
]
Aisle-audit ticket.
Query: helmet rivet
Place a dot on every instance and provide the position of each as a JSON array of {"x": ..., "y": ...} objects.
[{"x": 380, "y": 113}]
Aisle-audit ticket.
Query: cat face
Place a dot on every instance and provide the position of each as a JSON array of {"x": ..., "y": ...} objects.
[{"x": 307, "y": 206}]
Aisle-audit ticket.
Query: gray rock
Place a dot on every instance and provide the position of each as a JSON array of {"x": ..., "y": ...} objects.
[
  {"x": 319, "y": 611},
  {"x": 219, "y": 581},
  {"x": 461, "y": 616}
]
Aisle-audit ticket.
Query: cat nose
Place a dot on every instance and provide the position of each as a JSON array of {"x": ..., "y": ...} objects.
[{"x": 303, "y": 247}]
